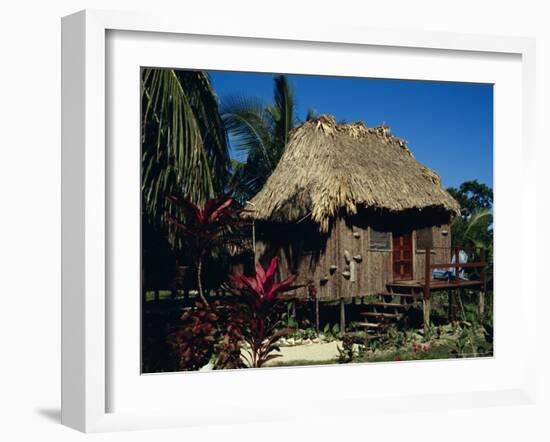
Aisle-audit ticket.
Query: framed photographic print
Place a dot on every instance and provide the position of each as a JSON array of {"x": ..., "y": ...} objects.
[{"x": 296, "y": 212}]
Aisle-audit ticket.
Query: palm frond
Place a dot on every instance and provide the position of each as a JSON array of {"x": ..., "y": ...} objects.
[
  {"x": 184, "y": 146},
  {"x": 260, "y": 132},
  {"x": 480, "y": 218},
  {"x": 206, "y": 109},
  {"x": 249, "y": 126},
  {"x": 284, "y": 104}
]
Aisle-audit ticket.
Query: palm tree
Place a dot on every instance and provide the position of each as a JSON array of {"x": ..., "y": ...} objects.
[
  {"x": 261, "y": 132},
  {"x": 475, "y": 231},
  {"x": 184, "y": 144}
]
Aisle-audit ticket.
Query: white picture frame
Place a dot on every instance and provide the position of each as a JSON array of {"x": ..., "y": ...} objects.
[{"x": 86, "y": 315}]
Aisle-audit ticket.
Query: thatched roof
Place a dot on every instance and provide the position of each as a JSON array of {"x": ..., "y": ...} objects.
[{"x": 328, "y": 168}]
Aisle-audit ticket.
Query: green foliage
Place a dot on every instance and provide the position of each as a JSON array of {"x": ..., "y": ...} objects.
[
  {"x": 288, "y": 317},
  {"x": 459, "y": 341},
  {"x": 395, "y": 337},
  {"x": 473, "y": 229},
  {"x": 184, "y": 145},
  {"x": 430, "y": 332},
  {"x": 260, "y": 132},
  {"x": 472, "y": 195},
  {"x": 353, "y": 347},
  {"x": 468, "y": 342},
  {"x": 299, "y": 334}
]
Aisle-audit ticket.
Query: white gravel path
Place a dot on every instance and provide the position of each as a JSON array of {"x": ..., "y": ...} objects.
[{"x": 309, "y": 352}]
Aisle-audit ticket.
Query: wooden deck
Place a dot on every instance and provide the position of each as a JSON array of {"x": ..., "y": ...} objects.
[
  {"x": 423, "y": 288},
  {"x": 436, "y": 284}
]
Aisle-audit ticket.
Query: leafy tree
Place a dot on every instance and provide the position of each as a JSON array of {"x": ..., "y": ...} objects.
[
  {"x": 474, "y": 226},
  {"x": 472, "y": 195},
  {"x": 475, "y": 231},
  {"x": 261, "y": 132}
]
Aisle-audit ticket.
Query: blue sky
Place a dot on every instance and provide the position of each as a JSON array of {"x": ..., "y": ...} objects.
[{"x": 448, "y": 126}]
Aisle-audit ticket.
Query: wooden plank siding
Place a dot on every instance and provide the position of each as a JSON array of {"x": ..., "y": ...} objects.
[{"x": 372, "y": 272}]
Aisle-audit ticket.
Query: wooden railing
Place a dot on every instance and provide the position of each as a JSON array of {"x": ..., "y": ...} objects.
[{"x": 457, "y": 266}]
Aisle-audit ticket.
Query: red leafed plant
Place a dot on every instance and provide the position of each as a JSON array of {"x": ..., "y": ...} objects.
[
  {"x": 205, "y": 331},
  {"x": 195, "y": 340},
  {"x": 205, "y": 227},
  {"x": 229, "y": 346},
  {"x": 262, "y": 312}
]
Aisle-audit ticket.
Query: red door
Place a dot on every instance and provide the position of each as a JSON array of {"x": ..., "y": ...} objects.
[{"x": 402, "y": 256}]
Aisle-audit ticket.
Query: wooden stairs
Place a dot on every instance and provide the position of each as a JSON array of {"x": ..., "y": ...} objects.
[{"x": 387, "y": 309}]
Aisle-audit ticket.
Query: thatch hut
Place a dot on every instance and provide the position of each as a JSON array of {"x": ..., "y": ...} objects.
[{"x": 349, "y": 209}]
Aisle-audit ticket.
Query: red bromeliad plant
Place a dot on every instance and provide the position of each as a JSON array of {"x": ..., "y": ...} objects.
[
  {"x": 262, "y": 312},
  {"x": 205, "y": 227}
]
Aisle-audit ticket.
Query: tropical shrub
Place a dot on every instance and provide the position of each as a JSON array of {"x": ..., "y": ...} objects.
[
  {"x": 204, "y": 228},
  {"x": 262, "y": 312},
  {"x": 229, "y": 347},
  {"x": 195, "y": 341},
  {"x": 347, "y": 353}
]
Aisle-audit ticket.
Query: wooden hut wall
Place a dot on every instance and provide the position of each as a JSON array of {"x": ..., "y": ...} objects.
[
  {"x": 327, "y": 282},
  {"x": 313, "y": 265},
  {"x": 370, "y": 270}
]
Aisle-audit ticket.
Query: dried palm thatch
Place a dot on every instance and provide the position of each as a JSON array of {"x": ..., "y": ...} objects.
[{"x": 329, "y": 168}]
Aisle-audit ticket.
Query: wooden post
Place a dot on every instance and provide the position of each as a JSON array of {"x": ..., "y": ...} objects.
[
  {"x": 484, "y": 284},
  {"x": 426, "y": 305},
  {"x": 342, "y": 315}
]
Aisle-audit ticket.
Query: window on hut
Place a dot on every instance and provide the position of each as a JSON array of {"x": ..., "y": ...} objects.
[
  {"x": 424, "y": 238},
  {"x": 379, "y": 240}
]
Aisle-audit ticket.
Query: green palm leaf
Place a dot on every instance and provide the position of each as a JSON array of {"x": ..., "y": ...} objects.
[
  {"x": 184, "y": 145},
  {"x": 479, "y": 219},
  {"x": 260, "y": 132}
]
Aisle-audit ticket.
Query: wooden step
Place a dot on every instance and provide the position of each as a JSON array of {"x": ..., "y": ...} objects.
[
  {"x": 370, "y": 325},
  {"x": 381, "y": 315}
]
